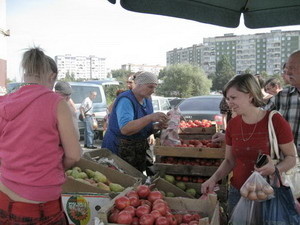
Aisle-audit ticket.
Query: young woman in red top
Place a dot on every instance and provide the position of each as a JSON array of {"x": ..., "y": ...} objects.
[{"x": 247, "y": 136}]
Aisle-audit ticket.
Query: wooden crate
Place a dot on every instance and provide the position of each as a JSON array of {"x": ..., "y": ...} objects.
[
  {"x": 198, "y": 130},
  {"x": 191, "y": 152},
  {"x": 176, "y": 169}
]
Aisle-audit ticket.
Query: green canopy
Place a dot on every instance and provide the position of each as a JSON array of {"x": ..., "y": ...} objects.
[{"x": 226, "y": 13}]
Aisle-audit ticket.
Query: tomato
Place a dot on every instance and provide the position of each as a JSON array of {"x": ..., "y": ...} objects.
[
  {"x": 159, "y": 201},
  {"x": 113, "y": 217},
  {"x": 155, "y": 214},
  {"x": 161, "y": 221},
  {"x": 142, "y": 210},
  {"x": 171, "y": 219},
  {"x": 154, "y": 195},
  {"x": 178, "y": 218},
  {"x": 122, "y": 202},
  {"x": 147, "y": 219},
  {"x": 186, "y": 218},
  {"x": 124, "y": 217},
  {"x": 143, "y": 191},
  {"x": 146, "y": 202},
  {"x": 131, "y": 210},
  {"x": 132, "y": 194},
  {"x": 135, "y": 221},
  {"x": 161, "y": 207},
  {"x": 134, "y": 201},
  {"x": 194, "y": 222},
  {"x": 196, "y": 217}
]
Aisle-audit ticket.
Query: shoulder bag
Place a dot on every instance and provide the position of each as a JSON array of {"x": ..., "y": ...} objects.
[
  {"x": 80, "y": 117},
  {"x": 292, "y": 177}
]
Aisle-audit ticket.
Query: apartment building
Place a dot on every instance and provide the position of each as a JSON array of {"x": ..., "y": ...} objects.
[
  {"x": 4, "y": 34},
  {"x": 81, "y": 67},
  {"x": 255, "y": 52},
  {"x": 142, "y": 67}
]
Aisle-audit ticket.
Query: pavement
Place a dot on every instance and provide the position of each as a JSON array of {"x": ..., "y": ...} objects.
[{"x": 97, "y": 143}]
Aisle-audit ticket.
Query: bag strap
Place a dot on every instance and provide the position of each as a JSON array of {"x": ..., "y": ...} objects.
[
  {"x": 272, "y": 137},
  {"x": 275, "y": 154}
]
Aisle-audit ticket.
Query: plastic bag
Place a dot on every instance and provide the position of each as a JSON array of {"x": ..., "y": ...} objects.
[
  {"x": 257, "y": 188},
  {"x": 246, "y": 212},
  {"x": 169, "y": 136},
  {"x": 109, "y": 163}
]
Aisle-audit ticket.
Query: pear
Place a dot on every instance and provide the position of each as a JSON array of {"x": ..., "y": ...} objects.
[
  {"x": 75, "y": 174},
  {"x": 181, "y": 185},
  {"x": 116, "y": 187},
  {"x": 90, "y": 173},
  {"x": 170, "y": 179},
  {"x": 170, "y": 194},
  {"x": 99, "y": 177},
  {"x": 103, "y": 186},
  {"x": 77, "y": 168},
  {"x": 191, "y": 191},
  {"x": 82, "y": 181},
  {"x": 69, "y": 172},
  {"x": 83, "y": 175}
]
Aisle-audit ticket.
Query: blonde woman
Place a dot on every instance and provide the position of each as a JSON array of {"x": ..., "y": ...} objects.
[{"x": 38, "y": 142}]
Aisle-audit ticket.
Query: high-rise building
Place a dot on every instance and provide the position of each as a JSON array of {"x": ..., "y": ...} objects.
[
  {"x": 4, "y": 33},
  {"x": 142, "y": 67},
  {"x": 81, "y": 67},
  {"x": 254, "y": 52}
]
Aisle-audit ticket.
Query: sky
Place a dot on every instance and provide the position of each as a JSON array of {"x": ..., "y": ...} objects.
[{"x": 97, "y": 27}]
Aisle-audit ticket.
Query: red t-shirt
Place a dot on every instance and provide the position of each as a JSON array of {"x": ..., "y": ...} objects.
[{"x": 246, "y": 152}]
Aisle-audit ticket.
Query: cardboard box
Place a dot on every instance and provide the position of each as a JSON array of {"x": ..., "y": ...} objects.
[
  {"x": 221, "y": 194},
  {"x": 163, "y": 185},
  {"x": 82, "y": 208},
  {"x": 118, "y": 162},
  {"x": 72, "y": 185},
  {"x": 191, "y": 152},
  {"x": 209, "y": 207}
]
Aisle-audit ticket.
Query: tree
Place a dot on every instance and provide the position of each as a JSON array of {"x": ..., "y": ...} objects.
[
  {"x": 121, "y": 74},
  {"x": 183, "y": 80},
  {"x": 69, "y": 77},
  {"x": 224, "y": 72}
]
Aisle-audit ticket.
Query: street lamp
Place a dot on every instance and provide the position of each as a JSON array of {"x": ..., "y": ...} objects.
[{"x": 5, "y": 33}]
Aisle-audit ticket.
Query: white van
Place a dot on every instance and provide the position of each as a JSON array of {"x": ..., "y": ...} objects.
[
  {"x": 81, "y": 90},
  {"x": 160, "y": 104}
]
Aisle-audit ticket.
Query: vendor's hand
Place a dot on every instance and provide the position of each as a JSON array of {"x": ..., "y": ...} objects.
[
  {"x": 218, "y": 137},
  {"x": 160, "y": 126},
  {"x": 159, "y": 117},
  {"x": 267, "y": 169},
  {"x": 151, "y": 140},
  {"x": 208, "y": 186}
]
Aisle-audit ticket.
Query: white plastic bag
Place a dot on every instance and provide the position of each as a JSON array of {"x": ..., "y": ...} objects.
[
  {"x": 246, "y": 212},
  {"x": 256, "y": 188}
]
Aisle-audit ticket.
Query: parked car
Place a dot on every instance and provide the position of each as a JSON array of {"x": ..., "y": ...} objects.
[
  {"x": 202, "y": 107},
  {"x": 176, "y": 101},
  {"x": 12, "y": 87},
  {"x": 160, "y": 104},
  {"x": 81, "y": 90}
]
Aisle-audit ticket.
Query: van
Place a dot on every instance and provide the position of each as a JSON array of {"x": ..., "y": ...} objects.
[
  {"x": 160, "y": 104},
  {"x": 81, "y": 90}
]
